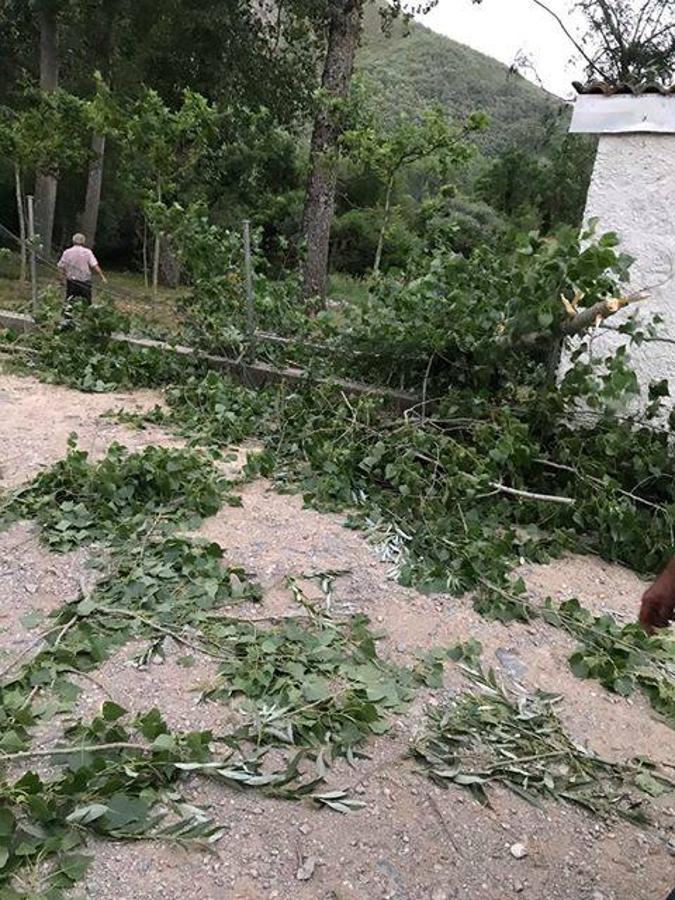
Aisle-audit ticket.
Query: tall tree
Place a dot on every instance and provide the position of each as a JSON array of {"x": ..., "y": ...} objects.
[
  {"x": 341, "y": 23},
  {"x": 161, "y": 148},
  {"x": 344, "y": 30},
  {"x": 432, "y": 137},
  {"x": 46, "y": 184},
  {"x": 102, "y": 37}
]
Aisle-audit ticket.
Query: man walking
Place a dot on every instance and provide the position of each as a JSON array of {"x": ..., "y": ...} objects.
[{"x": 76, "y": 265}]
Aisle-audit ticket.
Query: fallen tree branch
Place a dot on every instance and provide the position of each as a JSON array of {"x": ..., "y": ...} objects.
[
  {"x": 38, "y": 640},
  {"x": 529, "y": 495},
  {"x": 600, "y": 483},
  {"x": 578, "y": 321},
  {"x": 585, "y": 319},
  {"x": 66, "y": 751},
  {"x": 130, "y": 614}
]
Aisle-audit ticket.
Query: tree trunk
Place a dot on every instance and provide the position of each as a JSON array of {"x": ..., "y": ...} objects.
[
  {"x": 46, "y": 185},
  {"x": 146, "y": 278},
  {"x": 169, "y": 265},
  {"x": 343, "y": 38},
  {"x": 103, "y": 40},
  {"x": 383, "y": 229},
  {"x": 92, "y": 203},
  {"x": 158, "y": 249},
  {"x": 22, "y": 221},
  {"x": 155, "y": 264}
]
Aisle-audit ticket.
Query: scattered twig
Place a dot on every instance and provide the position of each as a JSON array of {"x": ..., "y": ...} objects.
[
  {"x": 582, "y": 476},
  {"x": 66, "y": 751},
  {"x": 529, "y": 495},
  {"x": 38, "y": 640},
  {"x": 441, "y": 818},
  {"x": 166, "y": 631}
]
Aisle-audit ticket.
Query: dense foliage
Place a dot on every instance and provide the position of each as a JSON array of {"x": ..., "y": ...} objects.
[{"x": 253, "y": 164}]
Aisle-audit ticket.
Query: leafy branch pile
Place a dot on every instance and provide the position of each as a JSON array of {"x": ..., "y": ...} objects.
[
  {"x": 317, "y": 684},
  {"x": 621, "y": 659},
  {"x": 494, "y": 736},
  {"x": 442, "y": 482},
  {"x": 88, "y": 357},
  {"x": 111, "y": 781},
  {"x": 77, "y": 501},
  {"x": 311, "y": 687}
]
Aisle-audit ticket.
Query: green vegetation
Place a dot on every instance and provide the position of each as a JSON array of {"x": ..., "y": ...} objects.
[
  {"x": 497, "y": 736},
  {"x": 458, "y": 275},
  {"x": 77, "y": 501},
  {"x": 414, "y": 68}
]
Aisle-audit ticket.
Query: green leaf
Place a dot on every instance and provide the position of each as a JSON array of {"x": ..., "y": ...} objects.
[
  {"x": 164, "y": 742},
  {"x": 83, "y": 815},
  {"x": 85, "y": 607},
  {"x": 32, "y": 619},
  {"x": 124, "y": 812},
  {"x": 316, "y": 689},
  {"x": 650, "y": 785},
  {"x": 111, "y": 711},
  {"x": 74, "y": 866}
]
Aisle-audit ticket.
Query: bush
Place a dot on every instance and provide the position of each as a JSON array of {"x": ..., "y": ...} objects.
[{"x": 354, "y": 242}]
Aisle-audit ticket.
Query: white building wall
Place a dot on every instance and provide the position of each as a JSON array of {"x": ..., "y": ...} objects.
[{"x": 633, "y": 194}]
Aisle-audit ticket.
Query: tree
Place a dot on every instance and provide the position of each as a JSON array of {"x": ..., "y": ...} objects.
[
  {"x": 14, "y": 149},
  {"x": 431, "y": 137},
  {"x": 340, "y": 21},
  {"x": 48, "y": 134},
  {"x": 626, "y": 42},
  {"x": 46, "y": 184},
  {"x": 100, "y": 28},
  {"x": 344, "y": 29},
  {"x": 161, "y": 147}
]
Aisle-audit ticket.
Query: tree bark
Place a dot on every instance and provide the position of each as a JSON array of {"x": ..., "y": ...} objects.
[
  {"x": 22, "y": 221},
  {"x": 583, "y": 320},
  {"x": 146, "y": 277},
  {"x": 383, "y": 229},
  {"x": 155, "y": 264},
  {"x": 103, "y": 38},
  {"x": 169, "y": 265},
  {"x": 92, "y": 203},
  {"x": 344, "y": 31},
  {"x": 158, "y": 249},
  {"x": 46, "y": 185}
]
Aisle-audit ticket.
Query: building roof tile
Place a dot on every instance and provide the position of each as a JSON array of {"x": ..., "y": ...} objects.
[{"x": 612, "y": 89}]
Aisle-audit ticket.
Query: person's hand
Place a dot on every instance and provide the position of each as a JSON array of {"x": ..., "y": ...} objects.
[{"x": 658, "y": 602}]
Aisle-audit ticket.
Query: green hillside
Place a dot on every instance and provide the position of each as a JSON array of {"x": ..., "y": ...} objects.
[{"x": 415, "y": 67}]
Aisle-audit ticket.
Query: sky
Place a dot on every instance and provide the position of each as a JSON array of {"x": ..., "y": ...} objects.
[{"x": 506, "y": 28}]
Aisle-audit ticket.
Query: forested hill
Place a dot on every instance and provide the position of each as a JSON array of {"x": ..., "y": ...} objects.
[{"x": 415, "y": 67}]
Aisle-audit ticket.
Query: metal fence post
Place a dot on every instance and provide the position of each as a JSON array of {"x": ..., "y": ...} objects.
[
  {"x": 33, "y": 259},
  {"x": 250, "y": 296}
]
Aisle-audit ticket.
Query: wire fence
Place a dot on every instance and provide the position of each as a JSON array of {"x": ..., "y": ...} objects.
[
  {"x": 15, "y": 294},
  {"x": 168, "y": 316}
]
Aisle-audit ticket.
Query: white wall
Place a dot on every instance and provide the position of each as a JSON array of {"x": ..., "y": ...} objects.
[{"x": 633, "y": 193}]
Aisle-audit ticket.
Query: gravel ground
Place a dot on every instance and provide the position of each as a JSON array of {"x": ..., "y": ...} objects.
[{"x": 413, "y": 841}]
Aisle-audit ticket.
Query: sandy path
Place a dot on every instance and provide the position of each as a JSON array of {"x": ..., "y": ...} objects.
[
  {"x": 36, "y": 421},
  {"x": 413, "y": 840}
]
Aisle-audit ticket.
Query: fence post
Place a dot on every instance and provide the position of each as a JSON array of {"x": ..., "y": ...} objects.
[
  {"x": 250, "y": 297},
  {"x": 33, "y": 260}
]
